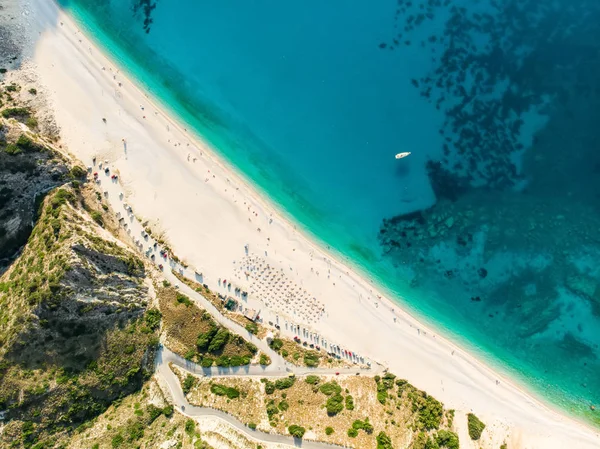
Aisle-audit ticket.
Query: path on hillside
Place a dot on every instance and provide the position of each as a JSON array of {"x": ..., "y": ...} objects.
[
  {"x": 165, "y": 356},
  {"x": 277, "y": 368}
]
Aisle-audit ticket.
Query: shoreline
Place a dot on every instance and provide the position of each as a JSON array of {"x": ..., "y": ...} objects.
[{"x": 316, "y": 247}]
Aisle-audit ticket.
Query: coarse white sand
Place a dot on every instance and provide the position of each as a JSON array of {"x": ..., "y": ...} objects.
[{"x": 208, "y": 214}]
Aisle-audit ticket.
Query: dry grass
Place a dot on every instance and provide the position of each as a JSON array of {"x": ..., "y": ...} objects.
[
  {"x": 249, "y": 407},
  {"x": 134, "y": 409},
  {"x": 307, "y": 409},
  {"x": 181, "y": 324},
  {"x": 215, "y": 301}
]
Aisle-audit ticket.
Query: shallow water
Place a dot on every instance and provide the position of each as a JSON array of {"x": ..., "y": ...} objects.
[{"x": 312, "y": 101}]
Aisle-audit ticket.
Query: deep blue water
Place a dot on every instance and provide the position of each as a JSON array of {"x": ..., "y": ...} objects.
[{"x": 311, "y": 101}]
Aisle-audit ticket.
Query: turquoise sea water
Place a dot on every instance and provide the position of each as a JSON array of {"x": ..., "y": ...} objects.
[{"x": 490, "y": 229}]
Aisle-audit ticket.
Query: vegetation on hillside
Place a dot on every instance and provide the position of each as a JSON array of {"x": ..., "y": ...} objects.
[
  {"x": 141, "y": 420},
  {"x": 195, "y": 335},
  {"x": 75, "y": 333},
  {"x": 341, "y": 410}
]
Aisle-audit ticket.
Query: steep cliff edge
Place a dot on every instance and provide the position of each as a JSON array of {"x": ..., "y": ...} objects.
[{"x": 75, "y": 329}]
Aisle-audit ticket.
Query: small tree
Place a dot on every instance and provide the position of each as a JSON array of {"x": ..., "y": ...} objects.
[
  {"x": 312, "y": 379},
  {"x": 188, "y": 383},
  {"x": 349, "y": 403},
  {"x": 296, "y": 431},
  {"x": 384, "y": 441},
  {"x": 190, "y": 426},
  {"x": 447, "y": 439},
  {"x": 276, "y": 344},
  {"x": 335, "y": 404}
]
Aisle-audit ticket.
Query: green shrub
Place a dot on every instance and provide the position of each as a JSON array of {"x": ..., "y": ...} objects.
[
  {"x": 117, "y": 440},
  {"x": 334, "y": 404},
  {"x": 296, "y": 431},
  {"x": 31, "y": 122},
  {"x": 12, "y": 87},
  {"x": 276, "y": 344},
  {"x": 311, "y": 359},
  {"x": 384, "y": 441},
  {"x": 328, "y": 430},
  {"x": 312, "y": 379},
  {"x": 429, "y": 410},
  {"x": 363, "y": 425},
  {"x": 60, "y": 197},
  {"x": 204, "y": 339},
  {"x": 153, "y": 413},
  {"x": 357, "y": 424},
  {"x": 286, "y": 382},
  {"x": 352, "y": 433},
  {"x": 252, "y": 328},
  {"x": 190, "y": 427},
  {"x": 182, "y": 299},
  {"x": 252, "y": 425},
  {"x": 78, "y": 172},
  {"x": 12, "y": 149},
  {"x": 135, "y": 431},
  {"x": 269, "y": 387},
  {"x": 152, "y": 318},
  {"x": 16, "y": 112},
  {"x": 446, "y": 439},
  {"x": 188, "y": 383},
  {"x": 27, "y": 144},
  {"x": 264, "y": 359},
  {"x": 207, "y": 362},
  {"x": 219, "y": 340},
  {"x": 222, "y": 390},
  {"x": 97, "y": 217},
  {"x": 349, "y": 403},
  {"x": 33, "y": 91},
  {"x": 388, "y": 380},
  {"x": 475, "y": 426},
  {"x": 272, "y": 409},
  {"x": 168, "y": 411},
  {"x": 330, "y": 388}
]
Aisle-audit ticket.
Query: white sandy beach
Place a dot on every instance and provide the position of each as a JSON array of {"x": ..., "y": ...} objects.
[{"x": 208, "y": 214}]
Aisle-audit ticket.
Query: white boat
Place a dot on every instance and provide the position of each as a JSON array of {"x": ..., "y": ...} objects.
[{"x": 402, "y": 155}]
